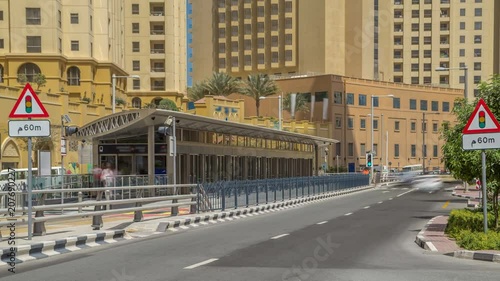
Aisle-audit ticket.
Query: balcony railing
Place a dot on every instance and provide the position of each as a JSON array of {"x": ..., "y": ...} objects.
[
  {"x": 158, "y": 87},
  {"x": 157, "y": 51},
  {"x": 157, "y": 14},
  {"x": 157, "y": 32},
  {"x": 157, "y": 69}
]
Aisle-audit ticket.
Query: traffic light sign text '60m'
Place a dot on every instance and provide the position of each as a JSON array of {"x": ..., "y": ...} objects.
[{"x": 369, "y": 162}]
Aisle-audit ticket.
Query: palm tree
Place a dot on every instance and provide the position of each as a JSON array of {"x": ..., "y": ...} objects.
[
  {"x": 259, "y": 85},
  {"x": 301, "y": 103},
  {"x": 222, "y": 84},
  {"x": 197, "y": 91}
]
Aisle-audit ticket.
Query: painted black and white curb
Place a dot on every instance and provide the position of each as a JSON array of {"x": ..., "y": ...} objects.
[
  {"x": 42, "y": 250},
  {"x": 465, "y": 196},
  {"x": 473, "y": 255},
  {"x": 422, "y": 242}
]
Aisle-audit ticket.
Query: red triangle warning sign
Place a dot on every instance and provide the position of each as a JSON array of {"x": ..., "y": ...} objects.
[
  {"x": 28, "y": 105},
  {"x": 481, "y": 121}
]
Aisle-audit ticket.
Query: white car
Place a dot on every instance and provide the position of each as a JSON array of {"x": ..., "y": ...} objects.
[{"x": 427, "y": 183}]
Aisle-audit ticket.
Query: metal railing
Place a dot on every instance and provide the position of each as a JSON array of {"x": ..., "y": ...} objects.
[{"x": 233, "y": 194}]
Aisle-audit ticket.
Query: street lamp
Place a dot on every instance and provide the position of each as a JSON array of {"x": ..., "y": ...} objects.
[
  {"x": 424, "y": 128},
  {"x": 280, "y": 109},
  {"x": 372, "y": 115},
  {"x": 113, "y": 86},
  {"x": 466, "y": 82}
]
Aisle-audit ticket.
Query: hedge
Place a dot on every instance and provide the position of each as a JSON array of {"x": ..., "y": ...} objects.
[{"x": 464, "y": 219}]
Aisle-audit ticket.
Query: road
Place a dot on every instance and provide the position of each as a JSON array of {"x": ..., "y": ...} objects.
[{"x": 365, "y": 236}]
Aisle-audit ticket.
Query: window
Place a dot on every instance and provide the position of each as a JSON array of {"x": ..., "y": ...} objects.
[
  {"x": 413, "y": 150},
  {"x": 91, "y": 23},
  {"x": 398, "y": 54},
  {"x": 288, "y": 23},
  {"x": 59, "y": 18},
  {"x": 33, "y": 44},
  {"x": 362, "y": 148},
  {"x": 424, "y": 127},
  {"x": 477, "y": 66},
  {"x": 478, "y": 39},
  {"x": 477, "y": 79},
  {"x": 414, "y": 66},
  {"x": 136, "y": 47},
  {"x": 415, "y": 80},
  {"x": 375, "y": 149},
  {"x": 73, "y": 76},
  {"x": 375, "y": 124},
  {"x": 74, "y": 18},
  {"x": 350, "y": 149},
  {"x": 413, "y": 126},
  {"x": 462, "y": 25},
  {"x": 222, "y": 47},
  {"x": 434, "y": 151},
  {"x": 350, "y": 98},
  {"x": 478, "y": 25},
  {"x": 414, "y": 40},
  {"x": 338, "y": 122},
  {"x": 135, "y": 27},
  {"x": 461, "y": 52},
  {"x": 462, "y": 39},
  {"x": 427, "y": 80},
  {"x": 59, "y": 45},
  {"x": 260, "y": 58},
  {"x": 33, "y": 16},
  {"x": 477, "y": 53},
  {"x": 136, "y": 102},
  {"x": 260, "y": 43},
  {"x": 362, "y": 123},
  {"x": 462, "y": 12},
  {"x": 446, "y": 106},
  {"x": 288, "y": 39},
  {"x": 337, "y": 97},
  {"x": 427, "y": 53},
  {"x": 288, "y": 7},
  {"x": 427, "y": 27},
  {"x": 29, "y": 70},
  {"x": 136, "y": 65},
  {"x": 136, "y": 84},
  {"x": 396, "y": 126},
  {"x": 248, "y": 60},
  {"x": 427, "y": 67},
  {"x": 375, "y": 101},
  {"x": 274, "y": 41},
  {"x": 75, "y": 45},
  {"x": 350, "y": 123},
  {"x": 415, "y": 13},
  {"x": 478, "y": 12},
  {"x": 234, "y": 15},
  {"x": 423, "y": 105},
  {"x": 1, "y": 44},
  {"x": 396, "y": 150},
  {"x": 398, "y": 67},
  {"x": 424, "y": 152},
  {"x": 362, "y": 100},
  {"x": 413, "y": 104},
  {"x": 435, "y": 105},
  {"x": 427, "y": 40},
  {"x": 1, "y": 15},
  {"x": 414, "y": 54},
  {"x": 435, "y": 127},
  {"x": 396, "y": 102},
  {"x": 274, "y": 57},
  {"x": 234, "y": 61},
  {"x": 248, "y": 44},
  {"x": 234, "y": 30},
  {"x": 274, "y": 25},
  {"x": 135, "y": 9}
]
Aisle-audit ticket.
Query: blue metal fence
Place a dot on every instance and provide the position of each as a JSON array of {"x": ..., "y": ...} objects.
[{"x": 224, "y": 195}]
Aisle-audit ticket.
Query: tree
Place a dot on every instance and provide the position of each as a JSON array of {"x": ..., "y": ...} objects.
[
  {"x": 301, "y": 103},
  {"x": 466, "y": 165},
  {"x": 222, "y": 84},
  {"x": 197, "y": 91},
  {"x": 40, "y": 80},
  {"x": 259, "y": 85},
  {"x": 168, "y": 105}
]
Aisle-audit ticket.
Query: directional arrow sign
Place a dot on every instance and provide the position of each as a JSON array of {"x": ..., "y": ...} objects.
[
  {"x": 29, "y": 128},
  {"x": 481, "y": 141}
]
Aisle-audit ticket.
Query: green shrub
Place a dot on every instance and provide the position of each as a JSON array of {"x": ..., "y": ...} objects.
[
  {"x": 464, "y": 219},
  {"x": 478, "y": 240}
]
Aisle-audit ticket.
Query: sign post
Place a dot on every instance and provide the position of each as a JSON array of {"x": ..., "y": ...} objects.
[
  {"x": 29, "y": 106},
  {"x": 482, "y": 132}
]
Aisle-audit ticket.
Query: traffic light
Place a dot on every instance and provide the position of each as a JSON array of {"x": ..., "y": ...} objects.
[
  {"x": 28, "y": 104},
  {"x": 70, "y": 130},
  {"x": 369, "y": 160},
  {"x": 482, "y": 119}
]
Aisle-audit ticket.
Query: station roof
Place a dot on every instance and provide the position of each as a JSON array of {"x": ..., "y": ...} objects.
[{"x": 136, "y": 122}]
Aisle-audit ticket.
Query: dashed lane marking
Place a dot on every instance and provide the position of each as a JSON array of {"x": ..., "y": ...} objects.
[
  {"x": 200, "y": 264},
  {"x": 279, "y": 236}
]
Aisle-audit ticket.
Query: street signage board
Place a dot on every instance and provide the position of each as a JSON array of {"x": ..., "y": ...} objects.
[
  {"x": 28, "y": 105},
  {"x": 481, "y": 141},
  {"x": 481, "y": 121},
  {"x": 29, "y": 128}
]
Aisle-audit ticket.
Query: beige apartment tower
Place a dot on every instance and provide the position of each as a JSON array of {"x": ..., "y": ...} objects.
[
  {"x": 155, "y": 48},
  {"x": 402, "y": 41}
]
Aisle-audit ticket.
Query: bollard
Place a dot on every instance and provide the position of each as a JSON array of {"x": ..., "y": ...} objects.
[
  {"x": 39, "y": 227},
  {"x": 80, "y": 200},
  {"x": 138, "y": 216},
  {"x": 97, "y": 219},
  {"x": 107, "y": 196}
]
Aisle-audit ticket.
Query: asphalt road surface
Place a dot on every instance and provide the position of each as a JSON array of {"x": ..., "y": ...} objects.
[{"x": 364, "y": 236}]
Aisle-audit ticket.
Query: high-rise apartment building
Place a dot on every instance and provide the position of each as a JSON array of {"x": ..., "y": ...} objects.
[
  {"x": 402, "y": 41},
  {"x": 155, "y": 47}
]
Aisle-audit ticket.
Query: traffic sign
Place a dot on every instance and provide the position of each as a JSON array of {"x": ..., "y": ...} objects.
[
  {"x": 28, "y": 105},
  {"x": 481, "y": 141},
  {"x": 481, "y": 121},
  {"x": 29, "y": 128}
]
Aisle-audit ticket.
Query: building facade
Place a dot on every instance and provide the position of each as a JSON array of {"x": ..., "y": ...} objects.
[{"x": 402, "y": 41}]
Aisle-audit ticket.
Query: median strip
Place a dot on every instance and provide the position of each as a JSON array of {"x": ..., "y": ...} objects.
[{"x": 200, "y": 264}]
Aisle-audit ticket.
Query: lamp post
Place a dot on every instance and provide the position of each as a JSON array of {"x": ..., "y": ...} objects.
[
  {"x": 113, "y": 86},
  {"x": 466, "y": 90},
  {"x": 280, "y": 109},
  {"x": 424, "y": 149},
  {"x": 373, "y": 98}
]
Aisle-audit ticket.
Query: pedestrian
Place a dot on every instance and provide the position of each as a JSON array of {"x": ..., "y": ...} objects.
[{"x": 107, "y": 176}]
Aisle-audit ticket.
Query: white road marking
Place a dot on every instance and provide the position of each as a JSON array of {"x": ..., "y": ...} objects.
[
  {"x": 385, "y": 191},
  {"x": 323, "y": 222},
  {"x": 366, "y": 207},
  {"x": 200, "y": 264},
  {"x": 380, "y": 202},
  {"x": 279, "y": 236},
  {"x": 348, "y": 214},
  {"x": 390, "y": 198}
]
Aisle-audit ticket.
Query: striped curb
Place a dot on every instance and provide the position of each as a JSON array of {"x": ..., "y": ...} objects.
[
  {"x": 465, "y": 196},
  {"x": 46, "y": 249},
  {"x": 174, "y": 225},
  {"x": 473, "y": 255},
  {"x": 422, "y": 242}
]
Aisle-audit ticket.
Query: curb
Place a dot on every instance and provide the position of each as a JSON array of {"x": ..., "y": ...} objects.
[
  {"x": 51, "y": 248},
  {"x": 422, "y": 242},
  {"x": 473, "y": 255},
  {"x": 256, "y": 210},
  {"x": 464, "y": 196}
]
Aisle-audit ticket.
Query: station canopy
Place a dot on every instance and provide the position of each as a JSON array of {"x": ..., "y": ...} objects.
[{"x": 135, "y": 122}]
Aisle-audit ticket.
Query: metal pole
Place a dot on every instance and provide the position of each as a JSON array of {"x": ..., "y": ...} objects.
[
  {"x": 372, "y": 152},
  {"x": 30, "y": 180},
  {"x": 387, "y": 148},
  {"x": 175, "y": 157},
  {"x": 280, "y": 112},
  {"x": 113, "y": 91},
  {"x": 337, "y": 164},
  {"x": 423, "y": 142},
  {"x": 62, "y": 162},
  {"x": 466, "y": 93},
  {"x": 485, "y": 207},
  {"x": 381, "y": 144}
]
